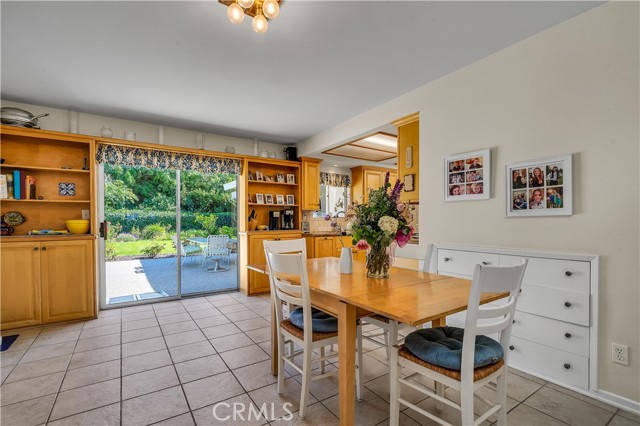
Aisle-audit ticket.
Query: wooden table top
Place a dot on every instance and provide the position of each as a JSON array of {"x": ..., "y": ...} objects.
[{"x": 408, "y": 296}]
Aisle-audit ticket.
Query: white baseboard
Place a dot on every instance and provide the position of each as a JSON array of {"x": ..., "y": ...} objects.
[{"x": 619, "y": 401}]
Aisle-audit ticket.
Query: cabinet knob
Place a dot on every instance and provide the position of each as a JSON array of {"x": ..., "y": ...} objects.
[
  {"x": 35, "y": 249},
  {"x": 567, "y": 335},
  {"x": 511, "y": 347},
  {"x": 568, "y": 273},
  {"x": 486, "y": 263},
  {"x": 446, "y": 259},
  {"x": 567, "y": 304},
  {"x": 513, "y": 322},
  {"x": 44, "y": 249},
  {"x": 567, "y": 366}
]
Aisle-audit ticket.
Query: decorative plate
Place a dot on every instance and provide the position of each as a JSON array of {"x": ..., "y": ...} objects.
[
  {"x": 13, "y": 218},
  {"x": 67, "y": 189}
]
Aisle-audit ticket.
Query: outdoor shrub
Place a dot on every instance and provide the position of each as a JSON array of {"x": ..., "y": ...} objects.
[
  {"x": 139, "y": 219},
  {"x": 194, "y": 233},
  {"x": 110, "y": 249},
  {"x": 154, "y": 249},
  {"x": 227, "y": 230},
  {"x": 135, "y": 231},
  {"x": 125, "y": 238},
  {"x": 208, "y": 222},
  {"x": 154, "y": 232}
]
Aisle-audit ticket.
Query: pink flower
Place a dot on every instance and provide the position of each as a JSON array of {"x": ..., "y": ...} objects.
[
  {"x": 403, "y": 236},
  {"x": 362, "y": 245},
  {"x": 400, "y": 206}
]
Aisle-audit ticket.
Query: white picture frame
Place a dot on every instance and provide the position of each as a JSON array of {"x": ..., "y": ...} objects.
[
  {"x": 259, "y": 199},
  {"x": 259, "y": 176},
  {"x": 467, "y": 176},
  {"x": 280, "y": 178},
  {"x": 291, "y": 178},
  {"x": 268, "y": 199},
  {"x": 291, "y": 200},
  {"x": 280, "y": 199},
  {"x": 541, "y": 187}
]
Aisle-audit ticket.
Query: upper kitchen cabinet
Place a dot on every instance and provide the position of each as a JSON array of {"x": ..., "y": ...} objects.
[
  {"x": 310, "y": 183},
  {"x": 366, "y": 178},
  {"x": 409, "y": 155}
]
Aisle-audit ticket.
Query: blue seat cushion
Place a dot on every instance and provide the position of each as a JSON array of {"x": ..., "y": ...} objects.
[
  {"x": 442, "y": 346},
  {"x": 321, "y": 322}
]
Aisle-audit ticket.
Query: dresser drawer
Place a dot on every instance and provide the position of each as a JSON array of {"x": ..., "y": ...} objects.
[
  {"x": 566, "y": 367},
  {"x": 572, "y": 275},
  {"x": 462, "y": 263},
  {"x": 557, "y": 334},
  {"x": 562, "y": 305}
]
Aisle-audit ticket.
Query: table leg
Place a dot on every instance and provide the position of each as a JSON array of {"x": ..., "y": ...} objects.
[
  {"x": 274, "y": 339},
  {"x": 347, "y": 361},
  {"x": 439, "y": 322}
]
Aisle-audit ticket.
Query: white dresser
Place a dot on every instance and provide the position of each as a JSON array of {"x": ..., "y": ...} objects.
[{"x": 554, "y": 334}]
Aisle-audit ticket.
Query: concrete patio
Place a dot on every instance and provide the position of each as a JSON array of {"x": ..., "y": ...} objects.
[{"x": 141, "y": 279}]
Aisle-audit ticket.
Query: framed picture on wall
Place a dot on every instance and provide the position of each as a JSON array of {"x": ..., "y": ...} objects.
[
  {"x": 540, "y": 187},
  {"x": 467, "y": 176}
]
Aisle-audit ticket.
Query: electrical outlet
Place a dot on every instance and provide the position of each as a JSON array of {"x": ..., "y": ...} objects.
[
  {"x": 620, "y": 354},
  {"x": 85, "y": 214}
]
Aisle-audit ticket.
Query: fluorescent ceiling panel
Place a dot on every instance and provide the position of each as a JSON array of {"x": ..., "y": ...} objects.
[{"x": 359, "y": 152}]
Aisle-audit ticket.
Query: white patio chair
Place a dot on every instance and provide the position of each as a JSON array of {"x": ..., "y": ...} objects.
[
  {"x": 465, "y": 377},
  {"x": 186, "y": 251},
  {"x": 216, "y": 250},
  {"x": 390, "y": 328},
  {"x": 289, "y": 257}
]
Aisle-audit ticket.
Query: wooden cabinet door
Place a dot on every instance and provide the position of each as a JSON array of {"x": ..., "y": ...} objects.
[
  {"x": 258, "y": 283},
  {"x": 67, "y": 280},
  {"x": 20, "y": 277},
  {"x": 372, "y": 180},
  {"x": 324, "y": 246},
  {"x": 310, "y": 185}
]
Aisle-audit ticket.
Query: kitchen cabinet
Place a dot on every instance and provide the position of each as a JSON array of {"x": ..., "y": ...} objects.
[
  {"x": 258, "y": 282},
  {"x": 409, "y": 153},
  {"x": 45, "y": 281},
  {"x": 366, "y": 178},
  {"x": 311, "y": 183}
]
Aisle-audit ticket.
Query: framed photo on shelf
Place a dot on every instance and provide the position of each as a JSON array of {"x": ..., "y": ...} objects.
[
  {"x": 280, "y": 178},
  {"x": 268, "y": 178},
  {"x": 291, "y": 178},
  {"x": 540, "y": 187},
  {"x": 279, "y": 199},
  {"x": 259, "y": 175},
  {"x": 268, "y": 198},
  {"x": 252, "y": 176},
  {"x": 467, "y": 176},
  {"x": 291, "y": 200},
  {"x": 259, "y": 199}
]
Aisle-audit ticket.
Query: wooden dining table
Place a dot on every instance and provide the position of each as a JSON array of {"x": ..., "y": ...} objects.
[{"x": 407, "y": 296}]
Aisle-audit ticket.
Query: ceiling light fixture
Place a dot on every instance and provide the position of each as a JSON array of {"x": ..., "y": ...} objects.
[{"x": 259, "y": 10}]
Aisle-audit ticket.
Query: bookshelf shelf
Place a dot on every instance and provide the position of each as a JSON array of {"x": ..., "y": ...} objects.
[
  {"x": 12, "y": 200},
  {"x": 46, "y": 169}
]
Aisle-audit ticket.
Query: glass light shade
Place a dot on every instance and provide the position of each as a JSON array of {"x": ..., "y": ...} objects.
[
  {"x": 235, "y": 13},
  {"x": 271, "y": 9},
  {"x": 260, "y": 24},
  {"x": 245, "y": 3}
]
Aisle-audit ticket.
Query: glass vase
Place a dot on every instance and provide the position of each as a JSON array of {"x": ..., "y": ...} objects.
[{"x": 378, "y": 261}]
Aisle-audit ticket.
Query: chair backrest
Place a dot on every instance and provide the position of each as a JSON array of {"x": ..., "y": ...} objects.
[
  {"x": 179, "y": 245},
  {"x": 412, "y": 251},
  {"x": 217, "y": 245},
  {"x": 490, "y": 279},
  {"x": 287, "y": 262}
]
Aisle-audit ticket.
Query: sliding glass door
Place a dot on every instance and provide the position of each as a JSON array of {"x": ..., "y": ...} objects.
[{"x": 159, "y": 226}]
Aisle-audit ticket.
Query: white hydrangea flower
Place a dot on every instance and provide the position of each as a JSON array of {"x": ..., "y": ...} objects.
[{"x": 388, "y": 224}]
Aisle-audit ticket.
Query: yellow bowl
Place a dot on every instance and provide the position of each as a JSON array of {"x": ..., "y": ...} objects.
[
  {"x": 262, "y": 227},
  {"x": 77, "y": 226}
]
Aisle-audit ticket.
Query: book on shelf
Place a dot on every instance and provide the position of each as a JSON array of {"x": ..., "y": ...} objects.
[
  {"x": 10, "y": 185},
  {"x": 16, "y": 184},
  {"x": 4, "y": 191},
  {"x": 30, "y": 187},
  {"x": 23, "y": 185}
]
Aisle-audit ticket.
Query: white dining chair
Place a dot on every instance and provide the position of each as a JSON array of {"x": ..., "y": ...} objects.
[
  {"x": 390, "y": 328},
  {"x": 285, "y": 259},
  {"x": 216, "y": 250},
  {"x": 468, "y": 368}
]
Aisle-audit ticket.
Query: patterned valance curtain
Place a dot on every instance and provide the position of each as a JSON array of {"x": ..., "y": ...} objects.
[
  {"x": 333, "y": 179},
  {"x": 158, "y": 159}
]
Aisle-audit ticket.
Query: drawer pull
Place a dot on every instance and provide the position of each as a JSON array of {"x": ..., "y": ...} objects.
[
  {"x": 567, "y": 335},
  {"x": 446, "y": 259},
  {"x": 511, "y": 347},
  {"x": 513, "y": 322},
  {"x": 567, "y": 366},
  {"x": 568, "y": 273},
  {"x": 35, "y": 249},
  {"x": 567, "y": 304},
  {"x": 486, "y": 263},
  {"x": 44, "y": 249}
]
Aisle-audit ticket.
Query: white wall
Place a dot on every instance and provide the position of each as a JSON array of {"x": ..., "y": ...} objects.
[
  {"x": 570, "y": 89},
  {"x": 89, "y": 124}
]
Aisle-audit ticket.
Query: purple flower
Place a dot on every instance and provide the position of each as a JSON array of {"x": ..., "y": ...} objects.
[
  {"x": 327, "y": 217},
  {"x": 386, "y": 181},
  {"x": 397, "y": 189}
]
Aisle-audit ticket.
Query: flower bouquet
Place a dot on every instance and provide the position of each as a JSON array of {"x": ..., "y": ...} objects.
[{"x": 379, "y": 225}]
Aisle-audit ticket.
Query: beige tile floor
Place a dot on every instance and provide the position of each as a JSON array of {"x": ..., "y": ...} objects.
[{"x": 169, "y": 363}]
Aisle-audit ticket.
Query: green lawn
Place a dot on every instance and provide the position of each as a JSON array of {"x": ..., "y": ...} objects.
[{"x": 134, "y": 248}]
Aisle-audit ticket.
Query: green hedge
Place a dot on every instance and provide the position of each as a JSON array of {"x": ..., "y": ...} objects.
[{"x": 142, "y": 218}]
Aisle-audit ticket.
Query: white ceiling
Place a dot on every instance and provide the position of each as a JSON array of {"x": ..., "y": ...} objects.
[{"x": 183, "y": 64}]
